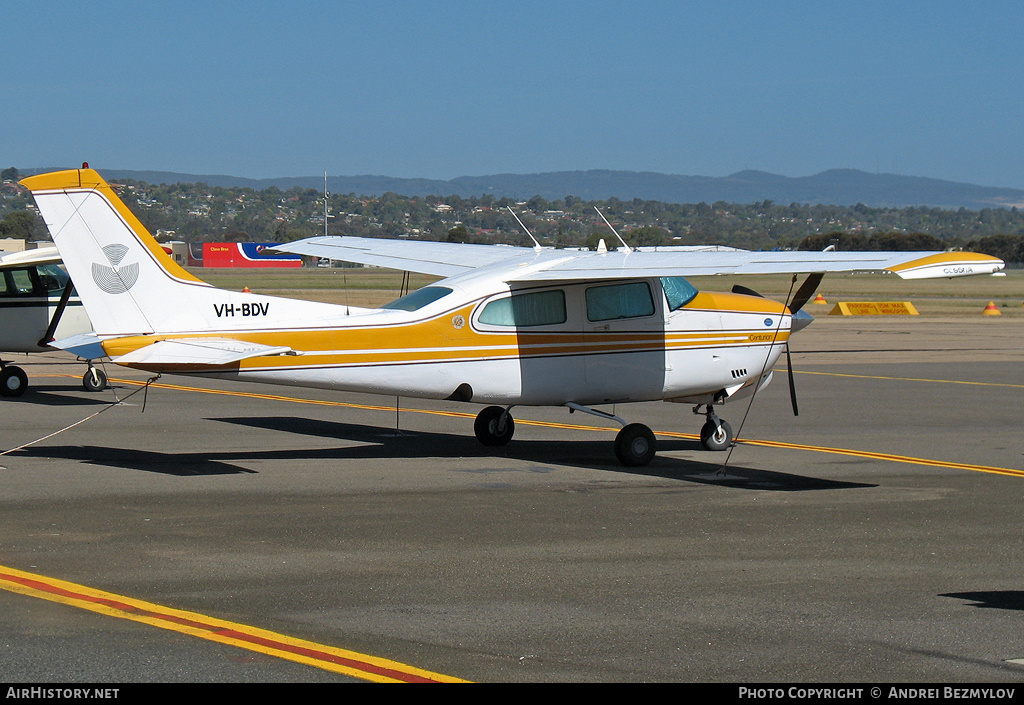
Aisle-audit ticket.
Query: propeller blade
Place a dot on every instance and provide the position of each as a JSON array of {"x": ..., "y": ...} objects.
[
  {"x": 792, "y": 381},
  {"x": 806, "y": 291},
  {"x": 740, "y": 289}
]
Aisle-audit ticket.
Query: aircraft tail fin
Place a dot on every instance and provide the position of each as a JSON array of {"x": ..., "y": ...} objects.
[
  {"x": 128, "y": 283},
  {"x": 132, "y": 284}
]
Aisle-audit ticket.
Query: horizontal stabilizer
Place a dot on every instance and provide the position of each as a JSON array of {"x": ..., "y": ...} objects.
[
  {"x": 199, "y": 351},
  {"x": 87, "y": 346}
]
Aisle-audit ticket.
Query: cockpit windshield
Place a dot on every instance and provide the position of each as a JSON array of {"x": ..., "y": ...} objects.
[
  {"x": 419, "y": 298},
  {"x": 678, "y": 291},
  {"x": 52, "y": 277}
]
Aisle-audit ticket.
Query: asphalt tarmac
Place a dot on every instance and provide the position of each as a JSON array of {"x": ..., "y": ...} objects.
[{"x": 876, "y": 537}]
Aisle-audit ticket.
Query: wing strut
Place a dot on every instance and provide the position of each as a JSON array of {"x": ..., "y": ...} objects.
[{"x": 52, "y": 328}]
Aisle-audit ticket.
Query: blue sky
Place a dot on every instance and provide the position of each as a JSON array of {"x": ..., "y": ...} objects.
[{"x": 446, "y": 89}]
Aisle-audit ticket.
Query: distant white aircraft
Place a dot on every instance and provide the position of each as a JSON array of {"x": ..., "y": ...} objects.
[
  {"x": 508, "y": 326},
  {"x": 38, "y": 306}
]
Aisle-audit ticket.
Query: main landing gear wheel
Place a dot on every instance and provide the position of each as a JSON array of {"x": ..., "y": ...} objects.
[
  {"x": 13, "y": 382},
  {"x": 634, "y": 445},
  {"x": 94, "y": 380},
  {"x": 716, "y": 436},
  {"x": 494, "y": 426}
]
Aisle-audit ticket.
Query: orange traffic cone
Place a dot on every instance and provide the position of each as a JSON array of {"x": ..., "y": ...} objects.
[
  {"x": 245, "y": 290},
  {"x": 819, "y": 299},
  {"x": 991, "y": 310}
]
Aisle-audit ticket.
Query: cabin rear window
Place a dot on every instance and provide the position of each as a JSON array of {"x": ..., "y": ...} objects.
[
  {"x": 419, "y": 298},
  {"x": 607, "y": 303},
  {"x": 538, "y": 308},
  {"x": 16, "y": 282},
  {"x": 678, "y": 292}
]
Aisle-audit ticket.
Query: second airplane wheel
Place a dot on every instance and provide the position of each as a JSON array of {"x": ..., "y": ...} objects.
[
  {"x": 94, "y": 380},
  {"x": 13, "y": 382}
]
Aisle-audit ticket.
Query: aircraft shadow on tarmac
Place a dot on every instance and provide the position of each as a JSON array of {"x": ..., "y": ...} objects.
[
  {"x": 992, "y": 599},
  {"x": 376, "y": 442},
  {"x": 56, "y": 395},
  {"x": 381, "y": 442},
  {"x": 180, "y": 464}
]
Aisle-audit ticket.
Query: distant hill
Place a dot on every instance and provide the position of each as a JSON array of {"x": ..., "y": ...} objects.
[{"x": 844, "y": 187}]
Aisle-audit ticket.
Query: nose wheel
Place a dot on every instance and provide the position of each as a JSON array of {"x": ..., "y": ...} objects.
[{"x": 715, "y": 434}]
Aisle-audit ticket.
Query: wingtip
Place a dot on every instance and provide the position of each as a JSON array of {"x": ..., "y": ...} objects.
[{"x": 949, "y": 264}]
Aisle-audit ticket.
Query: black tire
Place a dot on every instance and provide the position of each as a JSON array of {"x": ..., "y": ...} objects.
[
  {"x": 94, "y": 380},
  {"x": 491, "y": 429},
  {"x": 713, "y": 439},
  {"x": 13, "y": 382},
  {"x": 635, "y": 445}
]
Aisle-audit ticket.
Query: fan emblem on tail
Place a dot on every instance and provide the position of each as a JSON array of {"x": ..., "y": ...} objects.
[{"x": 115, "y": 279}]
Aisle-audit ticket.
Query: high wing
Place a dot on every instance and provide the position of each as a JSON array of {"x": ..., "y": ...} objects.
[
  {"x": 527, "y": 264},
  {"x": 444, "y": 259},
  {"x": 908, "y": 265},
  {"x": 42, "y": 255}
]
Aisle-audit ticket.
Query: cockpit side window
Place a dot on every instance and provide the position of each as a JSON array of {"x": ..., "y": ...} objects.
[
  {"x": 538, "y": 308},
  {"x": 678, "y": 292},
  {"x": 631, "y": 300}
]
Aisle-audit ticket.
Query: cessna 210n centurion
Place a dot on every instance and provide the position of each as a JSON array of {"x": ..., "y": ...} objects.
[
  {"x": 506, "y": 327},
  {"x": 38, "y": 308}
]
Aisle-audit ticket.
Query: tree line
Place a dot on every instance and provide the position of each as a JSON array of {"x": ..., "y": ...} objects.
[
  {"x": 198, "y": 213},
  {"x": 1009, "y": 248}
]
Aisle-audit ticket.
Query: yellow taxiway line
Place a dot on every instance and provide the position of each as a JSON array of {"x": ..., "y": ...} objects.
[
  {"x": 329, "y": 658},
  {"x": 891, "y": 457},
  {"x": 909, "y": 379}
]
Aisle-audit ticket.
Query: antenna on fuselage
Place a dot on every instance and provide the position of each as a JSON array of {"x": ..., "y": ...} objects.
[
  {"x": 625, "y": 247},
  {"x": 536, "y": 245},
  {"x": 327, "y": 215}
]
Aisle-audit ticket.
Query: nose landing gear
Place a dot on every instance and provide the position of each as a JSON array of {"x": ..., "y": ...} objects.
[{"x": 715, "y": 434}]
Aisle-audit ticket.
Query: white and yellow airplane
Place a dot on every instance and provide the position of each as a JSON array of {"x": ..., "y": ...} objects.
[
  {"x": 507, "y": 326},
  {"x": 38, "y": 309}
]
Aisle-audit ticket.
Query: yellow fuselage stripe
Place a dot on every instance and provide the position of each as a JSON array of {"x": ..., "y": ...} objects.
[{"x": 430, "y": 342}]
